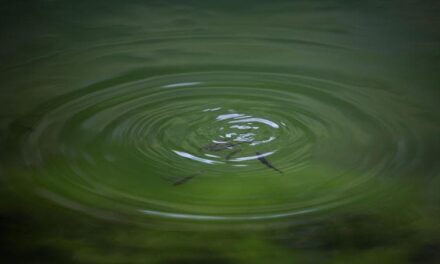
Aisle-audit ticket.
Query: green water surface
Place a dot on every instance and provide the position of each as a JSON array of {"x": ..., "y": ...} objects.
[{"x": 219, "y": 132}]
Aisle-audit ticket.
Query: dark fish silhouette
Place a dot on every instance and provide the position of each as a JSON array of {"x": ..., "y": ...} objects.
[
  {"x": 232, "y": 154},
  {"x": 184, "y": 180},
  {"x": 220, "y": 146},
  {"x": 266, "y": 162}
]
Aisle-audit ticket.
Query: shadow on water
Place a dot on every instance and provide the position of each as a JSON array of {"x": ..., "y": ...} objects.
[{"x": 25, "y": 241}]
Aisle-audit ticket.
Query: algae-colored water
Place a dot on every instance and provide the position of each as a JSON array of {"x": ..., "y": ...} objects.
[{"x": 219, "y": 132}]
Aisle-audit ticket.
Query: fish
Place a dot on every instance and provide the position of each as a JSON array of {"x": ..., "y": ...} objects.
[
  {"x": 184, "y": 179},
  {"x": 229, "y": 156},
  {"x": 219, "y": 146},
  {"x": 266, "y": 162}
]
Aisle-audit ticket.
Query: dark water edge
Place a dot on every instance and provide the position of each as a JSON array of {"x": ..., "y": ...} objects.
[
  {"x": 396, "y": 223},
  {"x": 50, "y": 235}
]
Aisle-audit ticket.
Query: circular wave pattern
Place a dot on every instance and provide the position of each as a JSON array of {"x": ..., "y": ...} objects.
[
  {"x": 207, "y": 145},
  {"x": 215, "y": 143}
]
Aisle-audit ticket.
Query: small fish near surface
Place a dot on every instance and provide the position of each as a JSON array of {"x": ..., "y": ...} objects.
[
  {"x": 219, "y": 146},
  {"x": 184, "y": 180},
  {"x": 266, "y": 162},
  {"x": 230, "y": 155},
  {"x": 179, "y": 181}
]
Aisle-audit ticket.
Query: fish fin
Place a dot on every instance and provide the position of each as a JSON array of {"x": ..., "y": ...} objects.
[
  {"x": 184, "y": 179},
  {"x": 230, "y": 155}
]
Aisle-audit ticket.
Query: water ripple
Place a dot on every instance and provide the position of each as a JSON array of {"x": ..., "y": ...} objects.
[{"x": 217, "y": 140}]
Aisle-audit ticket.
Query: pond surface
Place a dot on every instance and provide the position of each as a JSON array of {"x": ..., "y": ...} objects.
[{"x": 220, "y": 132}]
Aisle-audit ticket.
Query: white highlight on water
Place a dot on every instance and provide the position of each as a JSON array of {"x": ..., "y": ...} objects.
[
  {"x": 212, "y": 109},
  {"x": 255, "y": 119},
  {"x": 190, "y": 156},
  {"x": 173, "y": 85},
  {"x": 230, "y": 116},
  {"x": 253, "y": 157}
]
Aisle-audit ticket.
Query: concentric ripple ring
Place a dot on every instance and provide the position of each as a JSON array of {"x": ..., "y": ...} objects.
[{"x": 263, "y": 149}]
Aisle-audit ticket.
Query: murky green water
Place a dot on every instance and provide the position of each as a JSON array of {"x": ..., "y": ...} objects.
[{"x": 220, "y": 132}]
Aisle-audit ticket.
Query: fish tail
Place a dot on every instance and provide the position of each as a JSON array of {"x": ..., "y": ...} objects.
[
  {"x": 185, "y": 179},
  {"x": 279, "y": 171}
]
